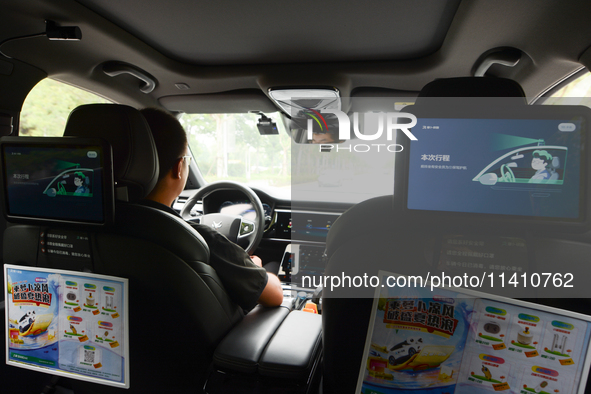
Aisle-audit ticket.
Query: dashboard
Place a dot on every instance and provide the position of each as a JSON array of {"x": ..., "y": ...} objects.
[
  {"x": 245, "y": 209},
  {"x": 282, "y": 223},
  {"x": 295, "y": 237},
  {"x": 304, "y": 226}
]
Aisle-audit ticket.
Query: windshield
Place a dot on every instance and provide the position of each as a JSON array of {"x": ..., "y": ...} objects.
[{"x": 230, "y": 147}]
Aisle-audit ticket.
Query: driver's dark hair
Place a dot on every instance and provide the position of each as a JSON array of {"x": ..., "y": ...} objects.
[
  {"x": 545, "y": 156},
  {"x": 169, "y": 136}
]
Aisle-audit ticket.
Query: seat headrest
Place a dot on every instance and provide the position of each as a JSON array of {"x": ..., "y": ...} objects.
[
  {"x": 135, "y": 160},
  {"x": 472, "y": 87}
]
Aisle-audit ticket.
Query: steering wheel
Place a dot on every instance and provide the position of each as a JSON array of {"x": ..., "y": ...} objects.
[
  {"x": 237, "y": 229},
  {"x": 507, "y": 176}
]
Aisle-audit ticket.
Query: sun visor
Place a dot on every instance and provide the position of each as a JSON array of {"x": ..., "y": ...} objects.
[{"x": 233, "y": 102}]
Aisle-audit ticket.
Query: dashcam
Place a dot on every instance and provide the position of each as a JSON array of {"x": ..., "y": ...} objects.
[{"x": 266, "y": 126}]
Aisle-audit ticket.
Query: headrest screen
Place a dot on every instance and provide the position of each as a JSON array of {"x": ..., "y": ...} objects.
[
  {"x": 57, "y": 180},
  {"x": 529, "y": 166}
]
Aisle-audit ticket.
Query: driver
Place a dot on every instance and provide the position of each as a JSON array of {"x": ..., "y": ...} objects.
[
  {"x": 242, "y": 275},
  {"x": 323, "y": 138}
]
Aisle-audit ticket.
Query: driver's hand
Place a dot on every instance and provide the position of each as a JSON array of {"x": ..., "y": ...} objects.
[{"x": 257, "y": 261}]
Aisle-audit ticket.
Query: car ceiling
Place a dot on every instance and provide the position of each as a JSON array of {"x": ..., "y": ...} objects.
[
  {"x": 226, "y": 55},
  {"x": 263, "y": 32}
]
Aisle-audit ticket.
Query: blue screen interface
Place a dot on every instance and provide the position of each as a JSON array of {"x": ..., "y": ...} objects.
[
  {"x": 54, "y": 183},
  {"x": 522, "y": 167}
]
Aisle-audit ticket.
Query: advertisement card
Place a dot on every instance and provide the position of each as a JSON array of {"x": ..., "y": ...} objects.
[
  {"x": 441, "y": 340},
  {"x": 67, "y": 323}
]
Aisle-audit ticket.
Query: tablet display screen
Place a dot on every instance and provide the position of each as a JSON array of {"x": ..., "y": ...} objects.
[
  {"x": 58, "y": 182},
  {"x": 518, "y": 167}
]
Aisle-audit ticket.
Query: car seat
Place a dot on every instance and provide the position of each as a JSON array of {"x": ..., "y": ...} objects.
[
  {"x": 178, "y": 307},
  {"x": 374, "y": 235},
  {"x": 555, "y": 165},
  {"x": 380, "y": 234}
]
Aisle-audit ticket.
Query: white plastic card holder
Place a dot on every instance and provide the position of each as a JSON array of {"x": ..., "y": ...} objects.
[{"x": 68, "y": 323}]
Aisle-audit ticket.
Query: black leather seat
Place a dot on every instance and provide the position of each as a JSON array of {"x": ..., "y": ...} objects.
[
  {"x": 374, "y": 235},
  {"x": 179, "y": 310}
]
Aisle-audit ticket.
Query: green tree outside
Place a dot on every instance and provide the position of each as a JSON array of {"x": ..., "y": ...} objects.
[{"x": 48, "y": 105}]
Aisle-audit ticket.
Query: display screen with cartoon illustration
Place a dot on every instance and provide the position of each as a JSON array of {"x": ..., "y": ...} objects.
[
  {"x": 443, "y": 341},
  {"x": 69, "y": 323},
  {"x": 54, "y": 182},
  {"x": 521, "y": 167}
]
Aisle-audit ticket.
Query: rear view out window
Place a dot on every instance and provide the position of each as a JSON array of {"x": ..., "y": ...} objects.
[
  {"x": 576, "y": 92},
  {"x": 46, "y": 109}
]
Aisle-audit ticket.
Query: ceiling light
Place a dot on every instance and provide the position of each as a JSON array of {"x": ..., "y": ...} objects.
[{"x": 294, "y": 101}]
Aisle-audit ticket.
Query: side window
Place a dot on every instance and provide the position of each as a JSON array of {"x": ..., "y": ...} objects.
[
  {"x": 576, "y": 92},
  {"x": 46, "y": 108}
]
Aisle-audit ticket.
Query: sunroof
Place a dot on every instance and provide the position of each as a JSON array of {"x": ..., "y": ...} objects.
[{"x": 260, "y": 32}]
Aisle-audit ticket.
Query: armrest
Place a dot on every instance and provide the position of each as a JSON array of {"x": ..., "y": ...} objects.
[
  {"x": 241, "y": 349},
  {"x": 294, "y": 348}
]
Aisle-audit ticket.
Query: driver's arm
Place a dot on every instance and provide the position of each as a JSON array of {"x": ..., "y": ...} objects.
[
  {"x": 272, "y": 294},
  {"x": 242, "y": 275}
]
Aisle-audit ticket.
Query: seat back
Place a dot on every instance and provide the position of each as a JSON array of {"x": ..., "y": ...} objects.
[
  {"x": 390, "y": 243},
  {"x": 178, "y": 307}
]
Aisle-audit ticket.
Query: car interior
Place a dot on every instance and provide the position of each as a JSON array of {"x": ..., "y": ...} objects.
[{"x": 260, "y": 89}]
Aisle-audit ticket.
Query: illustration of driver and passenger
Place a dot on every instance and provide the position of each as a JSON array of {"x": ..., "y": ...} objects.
[
  {"x": 545, "y": 166},
  {"x": 73, "y": 182}
]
